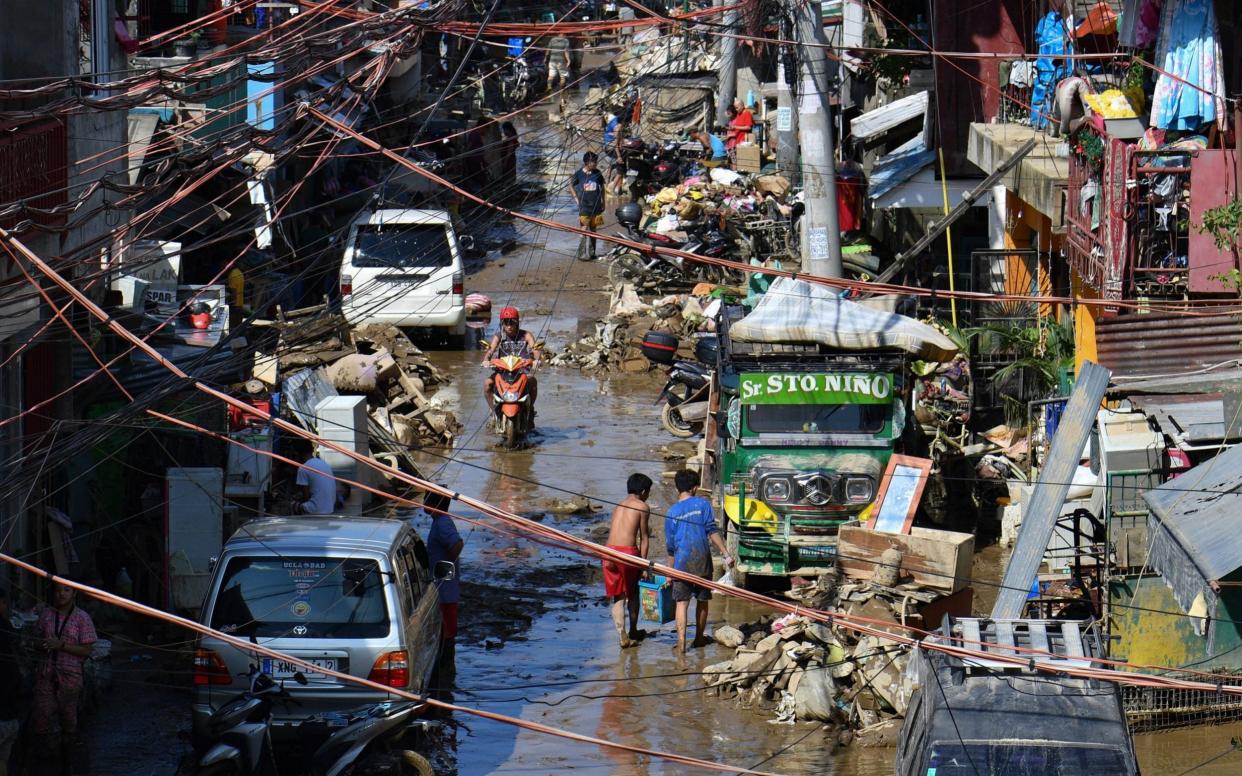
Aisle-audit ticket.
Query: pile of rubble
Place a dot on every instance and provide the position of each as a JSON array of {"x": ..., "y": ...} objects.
[
  {"x": 322, "y": 355},
  {"x": 614, "y": 345},
  {"x": 802, "y": 670}
]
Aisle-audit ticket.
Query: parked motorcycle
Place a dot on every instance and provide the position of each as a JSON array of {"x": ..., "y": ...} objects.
[
  {"x": 362, "y": 741},
  {"x": 651, "y": 167},
  {"x": 684, "y": 398},
  {"x": 368, "y": 741},
  {"x": 241, "y": 730},
  {"x": 657, "y": 270},
  {"x": 512, "y": 407}
]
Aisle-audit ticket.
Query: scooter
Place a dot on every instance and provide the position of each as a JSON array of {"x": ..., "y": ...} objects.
[
  {"x": 242, "y": 730},
  {"x": 657, "y": 270},
  {"x": 364, "y": 740},
  {"x": 685, "y": 399},
  {"x": 368, "y": 741},
  {"x": 513, "y": 411}
]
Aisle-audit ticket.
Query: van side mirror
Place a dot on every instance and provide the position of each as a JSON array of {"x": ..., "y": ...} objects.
[{"x": 445, "y": 570}]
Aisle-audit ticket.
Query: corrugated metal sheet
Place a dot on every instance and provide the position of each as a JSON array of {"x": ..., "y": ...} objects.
[
  {"x": 886, "y": 117},
  {"x": 1044, "y": 508},
  {"x": 1200, "y": 509},
  {"x": 899, "y": 165},
  {"x": 1194, "y": 529},
  {"x": 1135, "y": 346}
]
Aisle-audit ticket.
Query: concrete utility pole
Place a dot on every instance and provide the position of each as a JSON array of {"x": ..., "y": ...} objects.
[
  {"x": 821, "y": 253},
  {"x": 786, "y": 120},
  {"x": 726, "y": 77}
]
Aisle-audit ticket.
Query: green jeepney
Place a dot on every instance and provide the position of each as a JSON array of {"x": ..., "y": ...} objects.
[{"x": 802, "y": 439}]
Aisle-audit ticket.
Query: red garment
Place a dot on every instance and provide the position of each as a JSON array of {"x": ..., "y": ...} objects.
[
  {"x": 621, "y": 580},
  {"x": 448, "y": 621},
  {"x": 740, "y": 129}
]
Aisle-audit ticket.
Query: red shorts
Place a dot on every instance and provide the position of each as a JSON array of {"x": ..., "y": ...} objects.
[
  {"x": 448, "y": 621},
  {"x": 621, "y": 580}
]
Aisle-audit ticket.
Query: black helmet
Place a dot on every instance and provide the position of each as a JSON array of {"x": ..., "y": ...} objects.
[{"x": 630, "y": 214}]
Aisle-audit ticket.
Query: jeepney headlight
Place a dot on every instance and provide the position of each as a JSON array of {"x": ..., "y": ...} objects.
[
  {"x": 859, "y": 490},
  {"x": 777, "y": 489}
]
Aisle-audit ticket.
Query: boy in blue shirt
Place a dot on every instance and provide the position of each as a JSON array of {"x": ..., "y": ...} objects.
[{"x": 689, "y": 531}]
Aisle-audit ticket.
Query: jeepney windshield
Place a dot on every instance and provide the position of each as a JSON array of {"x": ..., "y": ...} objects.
[
  {"x": 816, "y": 418},
  {"x": 1023, "y": 759}
]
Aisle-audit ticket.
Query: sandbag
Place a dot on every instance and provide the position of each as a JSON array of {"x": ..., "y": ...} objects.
[{"x": 814, "y": 697}]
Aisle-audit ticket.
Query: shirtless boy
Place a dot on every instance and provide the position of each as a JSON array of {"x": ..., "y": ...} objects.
[{"x": 629, "y": 534}]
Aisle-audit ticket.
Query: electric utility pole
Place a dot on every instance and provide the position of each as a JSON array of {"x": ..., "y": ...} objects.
[
  {"x": 727, "y": 75},
  {"x": 821, "y": 234},
  {"x": 786, "y": 116}
]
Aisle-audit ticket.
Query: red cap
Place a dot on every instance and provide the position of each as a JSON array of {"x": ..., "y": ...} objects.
[{"x": 509, "y": 313}]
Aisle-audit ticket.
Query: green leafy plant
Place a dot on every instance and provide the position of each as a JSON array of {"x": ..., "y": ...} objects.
[
  {"x": 1036, "y": 357},
  {"x": 1223, "y": 223},
  {"x": 1089, "y": 145}
]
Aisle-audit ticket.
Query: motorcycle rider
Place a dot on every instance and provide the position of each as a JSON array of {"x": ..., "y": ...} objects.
[{"x": 511, "y": 340}]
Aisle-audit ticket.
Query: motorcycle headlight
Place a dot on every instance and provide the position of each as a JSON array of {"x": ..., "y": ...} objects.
[
  {"x": 777, "y": 489},
  {"x": 510, "y": 396},
  {"x": 859, "y": 490}
]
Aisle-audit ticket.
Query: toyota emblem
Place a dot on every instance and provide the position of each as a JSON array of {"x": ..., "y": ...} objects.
[{"x": 299, "y": 630}]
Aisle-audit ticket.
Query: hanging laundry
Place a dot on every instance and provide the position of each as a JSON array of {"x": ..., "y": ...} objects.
[
  {"x": 1189, "y": 51},
  {"x": 1022, "y": 74},
  {"x": 1052, "y": 36}
]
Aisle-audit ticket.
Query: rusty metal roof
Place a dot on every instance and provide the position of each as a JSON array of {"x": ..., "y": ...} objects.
[{"x": 1152, "y": 345}]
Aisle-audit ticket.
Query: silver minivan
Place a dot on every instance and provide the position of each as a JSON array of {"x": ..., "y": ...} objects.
[
  {"x": 403, "y": 267},
  {"x": 351, "y": 594}
]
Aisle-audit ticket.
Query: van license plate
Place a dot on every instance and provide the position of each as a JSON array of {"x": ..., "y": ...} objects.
[
  {"x": 404, "y": 280},
  {"x": 283, "y": 669}
]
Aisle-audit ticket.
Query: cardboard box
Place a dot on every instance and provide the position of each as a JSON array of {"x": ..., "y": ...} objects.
[
  {"x": 656, "y": 600},
  {"x": 749, "y": 158}
]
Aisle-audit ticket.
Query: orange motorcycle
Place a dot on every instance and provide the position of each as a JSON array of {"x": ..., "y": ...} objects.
[{"x": 511, "y": 403}]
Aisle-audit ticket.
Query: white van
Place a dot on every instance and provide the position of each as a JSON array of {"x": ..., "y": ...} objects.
[{"x": 404, "y": 268}]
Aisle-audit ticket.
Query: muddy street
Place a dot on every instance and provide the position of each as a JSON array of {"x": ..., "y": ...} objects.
[{"x": 536, "y": 640}]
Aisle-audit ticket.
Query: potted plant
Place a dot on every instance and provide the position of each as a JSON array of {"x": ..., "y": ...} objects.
[{"x": 187, "y": 46}]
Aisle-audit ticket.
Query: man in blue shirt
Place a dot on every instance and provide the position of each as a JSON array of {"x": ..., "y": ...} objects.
[
  {"x": 445, "y": 543},
  {"x": 689, "y": 531},
  {"x": 719, "y": 154}
]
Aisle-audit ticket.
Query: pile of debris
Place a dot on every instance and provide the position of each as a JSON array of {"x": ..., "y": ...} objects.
[
  {"x": 615, "y": 343},
  {"x": 321, "y": 355},
  {"x": 802, "y": 670}
]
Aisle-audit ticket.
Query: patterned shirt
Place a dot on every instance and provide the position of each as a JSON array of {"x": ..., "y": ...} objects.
[{"x": 73, "y": 629}]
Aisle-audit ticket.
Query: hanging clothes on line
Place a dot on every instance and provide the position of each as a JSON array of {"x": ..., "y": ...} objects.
[{"x": 1189, "y": 49}]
